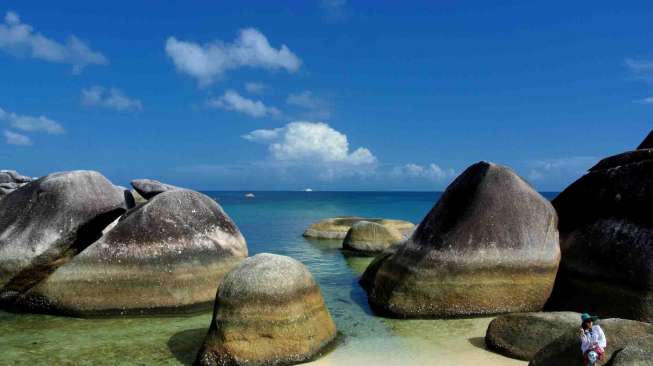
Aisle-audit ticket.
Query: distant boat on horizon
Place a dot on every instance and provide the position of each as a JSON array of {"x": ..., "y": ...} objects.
[
  {"x": 308, "y": 190},
  {"x": 249, "y": 195}
]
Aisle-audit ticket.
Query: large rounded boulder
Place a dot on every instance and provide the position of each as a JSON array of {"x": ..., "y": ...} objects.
[
  {"x": 47, "y": 221},
  {"x": 490, "y": 245},
  {"x": 521, "y": 335},
  {"x": 633, "y": 338},
  {"x": 606, "y": 238},
  {"x": 268, "y": 311},
  {"x": 164, "y": 256},
  {"x": 337, "y": 227},
  {"x": 370, "y": 238}
]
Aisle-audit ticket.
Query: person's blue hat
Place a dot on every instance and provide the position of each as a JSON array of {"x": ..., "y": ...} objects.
[{"x": 586, "y": 317}]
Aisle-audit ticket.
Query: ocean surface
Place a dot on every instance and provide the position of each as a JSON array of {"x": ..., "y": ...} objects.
[{"x": 271, "y": 222}]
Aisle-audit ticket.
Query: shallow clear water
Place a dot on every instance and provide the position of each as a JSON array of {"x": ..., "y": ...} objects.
[{"x": 271, "y": 222}]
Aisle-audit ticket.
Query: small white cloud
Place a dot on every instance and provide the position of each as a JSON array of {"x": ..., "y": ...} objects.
[
  {"x": 232, "y": 101},
  {"x": 551, "y": 169},
  {"x": 648, "y": 100},
  {"x": 21, "y": 39},
  {"x": 641, "y": 69},
  {"x": 311, "y": 142},
  {"x": 111, "y": 98},
  {"x": 255, "y": 88},
  {"x": 31, "y": 124},
  {"x": 210, "y": 61},
  {"x": 313, "y": 107},
  {"x": 14, "y": 138},
  {"x": 432, "y": 172}
]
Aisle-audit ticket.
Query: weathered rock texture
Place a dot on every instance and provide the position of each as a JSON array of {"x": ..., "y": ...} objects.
[
  {"x": 490, "y": 245},
  {"x": 370, "y": 238},
  {"x": 521, "y": 335},
  {"x": 148, "y": 188},
  {"x": 337, "y": 227},
  {"x": 631, "y": 337},
  {"x": 268, "y": 311},
  {"x": 164, "y": 256},
  {"x": 47, "y": 221},
  {"x": 606, "y": 238},
  {"x": 10, "y": 180}
]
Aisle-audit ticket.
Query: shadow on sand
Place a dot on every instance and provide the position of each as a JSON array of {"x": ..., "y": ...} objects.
[
  {"x": 478, "y": 342},
  {"x": 184, "y": 345}
]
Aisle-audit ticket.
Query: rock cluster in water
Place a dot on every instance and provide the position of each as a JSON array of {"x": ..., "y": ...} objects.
[
  {"x": 489, "y": 246},
  {"x": 68, "y": 245},
  {"x": 606, "y": 237},
  {"x": 268, "y": 311},
  {"x": 337, "y": 227},
  {"x": 370, "y": 238}
]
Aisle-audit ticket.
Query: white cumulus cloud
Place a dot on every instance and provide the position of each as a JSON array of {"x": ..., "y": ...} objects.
[
  {"x": 111, "y": 98},
  {"x": 31, "y": 123},
  {"x": 14, "y": 138},
  {"x": 210, "y": 61},
  {"x": 312, "y": 142},
  {"x": 432, "y": 171},
  {"x": 21, "y": 39},
  {"x": 232, "y": 101}
]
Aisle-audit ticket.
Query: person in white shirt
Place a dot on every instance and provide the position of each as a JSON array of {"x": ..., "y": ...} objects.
[{"x": 592, "y": 339}]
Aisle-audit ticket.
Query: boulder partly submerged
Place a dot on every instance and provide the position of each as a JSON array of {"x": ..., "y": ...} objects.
[
  {"x": 629, "y": 336},
  {"x": 369, "y": 238},
  {"x": 490, "y": 245},
  {"x": 164, "y": 256},
  {"x": 337, "y": 227},
  {"x": 268, "y": 311},
  {"x": 46, "y": 222},
  {"x": 521, "y": 335},
  {"x": 606, "y": 238},
  {"x": 148, "y": 188}
]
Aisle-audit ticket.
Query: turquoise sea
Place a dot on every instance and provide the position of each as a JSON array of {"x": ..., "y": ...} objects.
[{"x": 271, "y": 222}]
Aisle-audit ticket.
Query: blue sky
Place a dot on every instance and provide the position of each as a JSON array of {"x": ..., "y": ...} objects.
[{"x": 327, "y": 94}]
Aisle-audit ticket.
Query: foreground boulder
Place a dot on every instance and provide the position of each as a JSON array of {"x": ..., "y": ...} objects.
[
  {"x": 521, "y": 335},
  {"x": 165, "y": 256},
  {"x": 629, "y": 336},
  {"x": 268, "y": 311},
  {"x": 337, "y": 227},
  {"x": 606, "y": 233},
  {"x": 370, "y": 238},
  {"x": 490, "y": 245},
  {"x": 47, "y": 221},
  {"x": 148, "y": 188}
]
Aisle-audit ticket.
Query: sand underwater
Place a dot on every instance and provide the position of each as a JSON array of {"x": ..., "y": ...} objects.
[{"x": 271, "y": 222}]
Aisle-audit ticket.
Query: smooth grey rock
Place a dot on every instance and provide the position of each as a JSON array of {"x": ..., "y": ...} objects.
[
  {"x": 164, "y": 256},
  {"x": 620, "y": 334},
  {"x": 490, "y": 245},
  {"x": 46, "y": 222},
  {"x": 370, "y": 238},
  {"x": 11, "y": 176},
  {"x": 633, "y": 356},
  {"x": 149, "y": 188},
  {"x": 521, "y": 335},
  {"x": 273, "y": 303}
]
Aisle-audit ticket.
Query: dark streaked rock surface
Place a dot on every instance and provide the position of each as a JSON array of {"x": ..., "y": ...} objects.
[
  {"x": 149, "y": 188},
  {"x": 47, "y": 221},
  {"x": 490, "y": 245},
  {"x": 648, "y": 142},
  {"x": 268, "y": 311},
  {"x": 164, "y": 256},
  {"x": 521, "y": 335},
  {"x": 606, "y": 238}
]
